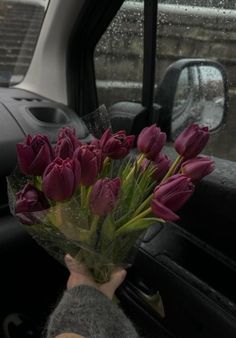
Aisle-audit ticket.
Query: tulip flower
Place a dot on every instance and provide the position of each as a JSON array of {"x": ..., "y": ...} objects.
[
  {"x": 34, "y": 155},
  {"x": 161, "y": 165},
  {"x": 70, "y": 133},
  {"x": 61, "y": 179},
  {"x": 90, "y": 159},
  {"x": 28, "y": 201},
  {"x": 150, "y": 141},
  {"x": 170, "y": 196},
  {"x": 198, "y": 167},
  {"x": 118, "y": 145},
  {"x": 64, "y": 148},
  {"x": 192, "y": 141},
  {"x": 104, "y": 195}
]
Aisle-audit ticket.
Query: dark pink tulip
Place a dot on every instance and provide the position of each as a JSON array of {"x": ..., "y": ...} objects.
[
  {"x": 34, "y": 154},
  {"x": 118, "y": 145},
  {"x": 96, "y": 143},
  {"x": 71, "y": 134},
  {"x": 30, "y": 200},
  {"x": 61, "y": 179},
  {"x": 104, "y": 195},
  {"x": 198, "y": 167},
  {"x": 161, "y": 165},
  {"x": 192, "y": 141},
  {"x": 64, "y": 148},
  {"x": 150, "y": 141},
  {"x": 170, "y": 196},
  {"x": 90, "y": 159}
]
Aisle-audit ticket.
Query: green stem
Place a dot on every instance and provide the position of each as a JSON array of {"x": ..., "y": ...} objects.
[
  {"x": 82, "y": 196},
  {"x": 138, "y": 163},
  {"x": 37, "y": 181},
  {"x": 143, "y": 205},
  {"x": 94, "y": 224},
  {"x": 106, "y": 161},
  {"x": 87, "y": 197},
  {"x": 141, "y": 215},
  {"x": 172, "y": 169}
]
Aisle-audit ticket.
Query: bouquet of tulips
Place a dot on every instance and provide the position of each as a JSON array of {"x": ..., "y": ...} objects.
[{"x": 94, "y": 200}]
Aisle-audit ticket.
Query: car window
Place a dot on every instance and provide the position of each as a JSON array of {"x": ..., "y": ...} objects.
[
  {"x": 200, "y": 29},
  {"x": 20, "y": 24},
  {"x": 119, "y": 56}
]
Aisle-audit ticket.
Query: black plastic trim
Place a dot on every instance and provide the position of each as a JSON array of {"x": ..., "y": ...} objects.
[
  {"x": 91, "y": 24},
  {"x": 166, "y": 92},
  {"x": 149, "y": 60}
]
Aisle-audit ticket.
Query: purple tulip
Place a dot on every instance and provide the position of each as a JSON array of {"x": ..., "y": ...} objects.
[
  {"x": 30, "y": 200},
  {"x": 34, "y": 155},
  {"x": 104, "y": 195},
  {"x": 192, "y": 141},
  {"x": 61, "y": 179},
  {"x": 118, "y": 145},
  {"x": 198, "y": 167},
  {"x": 150, "y": 141},
  {"x": 170, "y": 196},
  {"x": 161, "y": 165},
  {"x": 64, "y": 148},
  {"x": 90, "y": 158},
  {"x": 70, "y": 133}
]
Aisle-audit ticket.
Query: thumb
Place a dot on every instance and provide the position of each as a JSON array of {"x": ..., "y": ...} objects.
[
  {"x": 116, "y": 280},
  {"x": 74, "y": 267}
]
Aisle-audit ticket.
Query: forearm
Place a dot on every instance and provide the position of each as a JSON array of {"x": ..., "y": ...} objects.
[{"x": 85, "y": 311}]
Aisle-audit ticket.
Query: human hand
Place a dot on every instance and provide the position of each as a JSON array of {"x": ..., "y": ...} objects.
[{"x": 79, "y": 275}]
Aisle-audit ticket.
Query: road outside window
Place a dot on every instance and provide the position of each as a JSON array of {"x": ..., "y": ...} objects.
[{"x": 119, "y": 56}]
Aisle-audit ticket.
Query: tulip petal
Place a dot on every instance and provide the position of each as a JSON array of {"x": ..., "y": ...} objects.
[
  {"x": 25, "y": 156},
  {"x": 177, "y": 200},
  {"x": 163, "y": 212}
]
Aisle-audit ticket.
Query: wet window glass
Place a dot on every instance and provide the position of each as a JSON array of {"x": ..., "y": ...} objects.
[
  {"x": 190, "y": 29},
  {"x": 20, "y": 24},
  {"x": 119, "y": 56}
]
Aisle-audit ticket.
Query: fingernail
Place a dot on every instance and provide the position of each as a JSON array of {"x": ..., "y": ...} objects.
[{"x": 68, "y": 258}]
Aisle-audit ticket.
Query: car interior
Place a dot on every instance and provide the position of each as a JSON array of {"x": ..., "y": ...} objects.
[{"x": 182, "y": 282}]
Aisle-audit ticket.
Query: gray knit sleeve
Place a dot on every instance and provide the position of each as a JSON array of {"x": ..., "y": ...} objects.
[{"x": 86, "y": 311}]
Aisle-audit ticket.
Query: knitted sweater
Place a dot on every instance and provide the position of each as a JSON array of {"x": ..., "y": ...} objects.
[{"x": 86, "y": 311}]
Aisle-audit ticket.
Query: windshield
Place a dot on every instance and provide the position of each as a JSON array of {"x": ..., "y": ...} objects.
[{"x": 20, "y": 24}]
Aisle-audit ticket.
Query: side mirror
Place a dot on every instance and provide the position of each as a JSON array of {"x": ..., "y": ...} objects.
[{"x": 191, "y": 91}]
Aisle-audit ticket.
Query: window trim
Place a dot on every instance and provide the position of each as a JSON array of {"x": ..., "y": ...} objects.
[
  {"x": 149, "y": 56},
  {"x": 90, "y": 26}
]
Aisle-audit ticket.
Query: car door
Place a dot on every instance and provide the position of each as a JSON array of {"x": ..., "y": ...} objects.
[{"x": 183, "y": 263}]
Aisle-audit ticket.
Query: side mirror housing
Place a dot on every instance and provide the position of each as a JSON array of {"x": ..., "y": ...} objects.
[{"x": 192, "y": 90}]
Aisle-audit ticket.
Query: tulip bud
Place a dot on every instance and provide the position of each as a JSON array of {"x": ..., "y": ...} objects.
[
  {"x": 118, "y": 145},
  {"x": 104, "y": 195},
  {"x": 61, "y": 179},
  {"x": 34, "y": 155},
  {"x": 150, "y": 141},
  {"x": 28, "y": 201},
  {"x": 192, "y": 141},
  {"x": 70, "y": 133},
  {"x": 170, "y": 196},
  {"x": 198, "y": 167},
  {"x": 64, "y": 148},
  {"x": 161, "y": 165},
  {"x": 90, "y": 159}
]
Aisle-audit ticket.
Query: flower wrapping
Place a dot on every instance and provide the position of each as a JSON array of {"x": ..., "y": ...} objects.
[{"x": 95, "y": 200}]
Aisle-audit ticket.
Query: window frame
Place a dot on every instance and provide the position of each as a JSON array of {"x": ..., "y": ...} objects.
[{"x": 90, "y": 26}]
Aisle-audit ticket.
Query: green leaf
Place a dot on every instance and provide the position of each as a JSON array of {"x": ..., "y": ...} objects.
[{"x": 139, "y": 224}]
